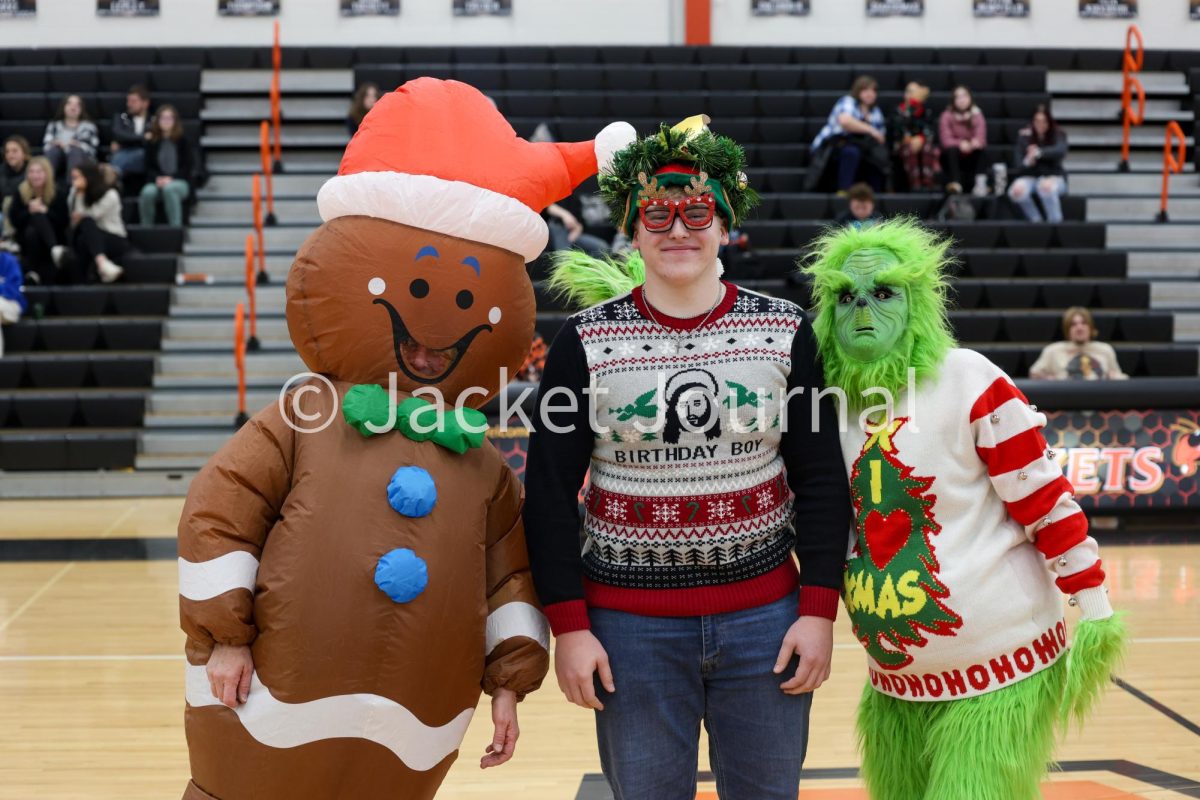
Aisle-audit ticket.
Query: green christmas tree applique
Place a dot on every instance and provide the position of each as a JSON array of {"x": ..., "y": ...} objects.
[
  {"x": 742, "y": 396},
  {"x": 892, "y": 590},
  {"x": 643, "y": 406}
]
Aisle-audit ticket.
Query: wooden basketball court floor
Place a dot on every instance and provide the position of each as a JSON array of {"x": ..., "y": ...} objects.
[{"x": 91, "y": 678}]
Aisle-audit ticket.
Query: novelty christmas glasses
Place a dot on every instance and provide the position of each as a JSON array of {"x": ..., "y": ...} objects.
[{"x": 658, "y": 214}]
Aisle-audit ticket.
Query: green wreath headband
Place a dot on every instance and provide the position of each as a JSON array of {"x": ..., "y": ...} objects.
[{"x": 687, "y": 155}]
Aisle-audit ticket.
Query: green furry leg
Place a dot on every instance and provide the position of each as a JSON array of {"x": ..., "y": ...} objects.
[
  {"x": 1096, "y": 649},
  {"x": 892, "y": 739},
  {"x": 996, "y": 746}
]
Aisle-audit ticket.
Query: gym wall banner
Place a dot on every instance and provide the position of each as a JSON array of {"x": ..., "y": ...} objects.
[
  {"x": 1001, "y": 8},
  {"x": 369, "y": 8},
  {"x": 482, "y": 8},
  {"x": 770, "y": 8},
  {"x": 127, "y": 8},
  {"x": 1108, "y": 9},
  {"x": 895, "y": 8},
  {"x": 18, "y": 8},
  {"x": 248, "y": 8}
]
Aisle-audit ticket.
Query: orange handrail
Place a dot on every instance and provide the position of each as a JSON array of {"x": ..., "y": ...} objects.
[
  {"x": 276, "y": 89},
  {"x": 256, "y": 199},
  {"x": 1130, "y": 64},
  {"x": 1172, "y": 162},
  {"x": 264, "y": 148},
  {"x": 251, "y": 293},
  {"x": 239, "y": 361}
]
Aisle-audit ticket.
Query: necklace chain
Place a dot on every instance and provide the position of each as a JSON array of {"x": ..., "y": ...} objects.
[{"x": 681, "y": 335}]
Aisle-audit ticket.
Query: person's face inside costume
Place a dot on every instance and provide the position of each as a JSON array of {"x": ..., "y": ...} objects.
[
  {"x": 871, "y": 313},
  {"x": 367, "y": 297},
  {"x": 679, "y": 238}
]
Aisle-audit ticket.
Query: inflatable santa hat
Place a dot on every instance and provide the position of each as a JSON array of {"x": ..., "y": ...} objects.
[{"x": 438, "y": 155}]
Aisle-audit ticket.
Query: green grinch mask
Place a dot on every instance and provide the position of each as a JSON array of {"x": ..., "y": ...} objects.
[
  {"x": 880, "y": 299},
  {"x": 871, "y": 311}
]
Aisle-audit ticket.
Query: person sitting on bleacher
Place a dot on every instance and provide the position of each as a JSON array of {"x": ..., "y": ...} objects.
[
  {"x": 38, "y": 212},
  {"x": 962, "y": 130},
  {"x": 71, "y": 137},
  {"x": 364, "y": 100},
  {"x": 16, "y": 158},
  {"x": 168, "y": 169},
  {"x": 913, "y": 139},
  {"x": 861, "y": 212},
  {"x": 97, "y": 231},
  {"x": 130, "y": 130},
  {"x": 854, "y": 138},
  {"x": 1079, "y": 357},
  {"x": 1038, "y": 163},
  {"x": 12, "y": 299}
]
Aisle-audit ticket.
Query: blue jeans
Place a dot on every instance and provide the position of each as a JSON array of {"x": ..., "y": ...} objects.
[
  {"x": 129, "y": 161},
  {"x": 1049, "y": 189},
  {"x": 673, "y": 672}
]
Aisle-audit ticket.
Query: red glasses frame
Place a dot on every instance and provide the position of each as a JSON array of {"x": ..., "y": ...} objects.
[{"x": 676, "y": 207}]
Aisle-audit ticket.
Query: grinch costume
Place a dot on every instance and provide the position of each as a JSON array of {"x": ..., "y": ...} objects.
[
  {"x": 368, "y": 546},
  {"x": 965, "y": 534}
]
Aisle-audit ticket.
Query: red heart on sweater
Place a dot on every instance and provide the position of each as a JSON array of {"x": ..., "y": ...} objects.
[{"x": 886, "y": 535}]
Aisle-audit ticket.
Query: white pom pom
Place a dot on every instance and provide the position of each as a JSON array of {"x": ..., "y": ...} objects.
[{"x": 614, "y": 137}]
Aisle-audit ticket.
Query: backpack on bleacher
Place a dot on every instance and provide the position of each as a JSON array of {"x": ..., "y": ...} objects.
[{"x": 957, "y": 208}]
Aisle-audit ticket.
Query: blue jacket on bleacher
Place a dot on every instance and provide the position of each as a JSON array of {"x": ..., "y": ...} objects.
[{"x": 11, "y": 280}]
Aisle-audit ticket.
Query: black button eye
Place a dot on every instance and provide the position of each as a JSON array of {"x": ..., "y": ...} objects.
[
  {"x": 419, "y": 288},
  {"x": 464, "y": 299}
]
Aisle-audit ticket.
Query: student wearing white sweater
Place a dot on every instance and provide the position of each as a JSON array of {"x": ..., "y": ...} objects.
[{"x": 97, "y": 230}]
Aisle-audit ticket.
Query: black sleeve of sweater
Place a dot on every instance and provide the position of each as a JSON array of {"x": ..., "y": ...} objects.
[
  {"x": 554, "y": 470},
  {"x": 816, "y": 472}
]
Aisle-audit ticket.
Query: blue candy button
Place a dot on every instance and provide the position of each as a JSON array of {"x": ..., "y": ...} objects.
[
  {"x": 402, "y": 575},
  {"x": 412, "y": 492}
]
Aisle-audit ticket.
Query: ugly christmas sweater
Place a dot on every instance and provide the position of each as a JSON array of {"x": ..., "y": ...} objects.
[
  {"x": 964, "y": 523},
  {"x": 696, "y": 498}
]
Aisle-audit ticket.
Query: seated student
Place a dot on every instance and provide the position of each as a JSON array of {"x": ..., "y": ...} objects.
[
  {"x": 861, "y": 211},
  {"x": 38, "y": 212},
  {"x": 913, "y": 139},
  {"x": 364, "y": 100},
  {"x": 97, "y": 231},
  {"x": 854, "y": 139},
  {"x": 16, "y": 157},
  {"x": 168, "y": 169},
  {"x": 130, "y": 130},
  {"x": 1079, "y": 357},
  {"x": 1038, "y": 162},
  {"x": 12, "y": 300},
  {"x": 962, "y": 130},
  {"x": 71, "y": 137}
]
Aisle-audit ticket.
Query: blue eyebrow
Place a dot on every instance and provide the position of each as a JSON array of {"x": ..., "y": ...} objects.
[
  {"x": 427, "y": 250},
  {"x": 473, "y": 263}
]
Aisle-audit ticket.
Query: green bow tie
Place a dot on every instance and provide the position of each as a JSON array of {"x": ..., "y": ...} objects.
[{"x": 369, "y": 403}]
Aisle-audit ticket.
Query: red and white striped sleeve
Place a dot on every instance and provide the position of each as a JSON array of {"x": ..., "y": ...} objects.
[{"x": 1023, "y": 471}]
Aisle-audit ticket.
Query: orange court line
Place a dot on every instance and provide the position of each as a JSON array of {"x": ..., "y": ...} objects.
[{"x": 1065, "y": 790}]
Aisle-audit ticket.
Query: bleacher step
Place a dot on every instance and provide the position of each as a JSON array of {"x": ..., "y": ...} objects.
[
  {"x": 1168, "y": 264},
  {"x": 1180, "y": 209},
  {"x": 242, "y": 211},
  {"x": 238, "y": 185},
  {"x": 291, "y": 81},
  {"x": 292, "y": 109},
  {"x": 1077, "y": 82},
  {"x": 1152, "y": 235}
]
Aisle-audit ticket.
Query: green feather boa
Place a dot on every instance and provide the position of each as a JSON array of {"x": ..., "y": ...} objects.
[{"x": 585, "y": 281}]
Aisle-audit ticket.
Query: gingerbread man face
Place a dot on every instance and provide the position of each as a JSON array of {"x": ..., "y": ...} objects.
[{"x": 367, "y": 297}]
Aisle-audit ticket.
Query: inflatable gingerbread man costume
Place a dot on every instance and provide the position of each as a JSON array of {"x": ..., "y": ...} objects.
[{"x": 377, "y": 568}]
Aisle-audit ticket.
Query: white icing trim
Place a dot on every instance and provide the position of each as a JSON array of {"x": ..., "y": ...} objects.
[
  {"x": 204, "y": 580},
  {"x": 517, "y": 619},
  {"x": 351, "y": 716},
  {"x": 453, "y": 208}
]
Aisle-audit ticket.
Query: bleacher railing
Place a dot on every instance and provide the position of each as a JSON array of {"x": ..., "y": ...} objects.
[
  {"x": 264, "y": 148},
  {"x": 1174, "y": 158},
  {"x": 1131, "y": 64},
  {"x": 276, "y": 66},
  {"x": 256, "y": 201},
  {"x": 252, "y": 343},
  {"x": 239, "y": 361}
]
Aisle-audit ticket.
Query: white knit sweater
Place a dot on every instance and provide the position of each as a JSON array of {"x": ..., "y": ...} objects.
[{"x": 964, "y": 521}]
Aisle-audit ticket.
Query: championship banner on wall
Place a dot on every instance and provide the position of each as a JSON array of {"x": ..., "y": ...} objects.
[
  {"x": 1116, "y": 460},
  {"x": 1001, "y": 8},
  {"x": 481, "y": 8},
  {"x": 1108, "y": 9},
  {"x": 248, "y": 8},
  {"x": 127, "y": 8},
  {"x": 369, "y": 8},
  {"x": 18, "y": 8},
  {"x": 770, "y": 8},
  {"x": 895, "y": 8}
]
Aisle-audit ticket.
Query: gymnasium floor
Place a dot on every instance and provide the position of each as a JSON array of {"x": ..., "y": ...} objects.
[{"x": 91, "y": 677}]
